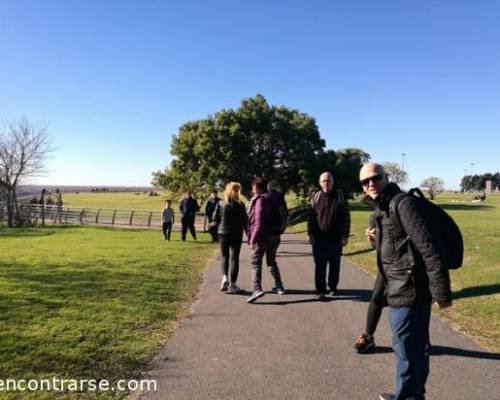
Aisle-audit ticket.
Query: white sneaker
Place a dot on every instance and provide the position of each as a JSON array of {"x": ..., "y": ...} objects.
[
  {"x": 255, "y": 295},
  {"x": 224, "y": 284},
  {"x": 233, "y": 288}
]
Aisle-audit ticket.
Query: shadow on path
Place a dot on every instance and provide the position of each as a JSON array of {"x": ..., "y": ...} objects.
[
  {"x": 446, "y": 351},
  {"x": 359, "y": 252}
]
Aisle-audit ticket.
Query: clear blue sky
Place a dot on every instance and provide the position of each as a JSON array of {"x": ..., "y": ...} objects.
[{"x": 115, "y": 79}]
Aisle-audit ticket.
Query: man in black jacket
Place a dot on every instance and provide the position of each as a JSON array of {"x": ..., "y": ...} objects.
[
  {"x": 188, "y": 207},
  {"x": 411, "y": 263},
  {"x": 328, "y": 229},
  {"x": 209, "y": 211}
]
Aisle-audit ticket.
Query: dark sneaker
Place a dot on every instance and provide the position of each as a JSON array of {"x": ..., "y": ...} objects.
[
  {"x": 279, "y": 289},
  {"x": 321, "y": 297},
  {"x": 333, "y": 292},
  {"x": 255, "y": 295},
  {"x": 233, "y": 288},
  {"x": 386, "y": 396},
  {"x": 364, "y": 343}
]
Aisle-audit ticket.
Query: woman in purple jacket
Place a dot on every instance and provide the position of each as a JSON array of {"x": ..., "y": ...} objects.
[{"x": 262, "y": 240}]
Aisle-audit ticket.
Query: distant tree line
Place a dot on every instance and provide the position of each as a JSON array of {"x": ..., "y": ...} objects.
[
  {"x": 478, "y": 182},
  {"x": 256, "y": 139}
]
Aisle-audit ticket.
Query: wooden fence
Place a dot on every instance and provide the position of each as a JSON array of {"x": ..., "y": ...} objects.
[{"x": 35, "y": 215}]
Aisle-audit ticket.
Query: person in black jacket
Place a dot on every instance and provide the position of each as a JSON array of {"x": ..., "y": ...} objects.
[
  {"x": 230, "y": 219},
  {"x": 412, "y": 265},
  {"x": 188, "y": 207},
  {"x": 209, "y": 211},
  {"x": 328, "y": 229}
]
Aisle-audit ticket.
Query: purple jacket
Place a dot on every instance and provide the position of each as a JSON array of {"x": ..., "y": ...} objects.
[{"x": 259, "y": 219}]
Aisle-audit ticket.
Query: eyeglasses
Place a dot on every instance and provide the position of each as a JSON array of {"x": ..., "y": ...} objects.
[{"x": 374, "y": 178}]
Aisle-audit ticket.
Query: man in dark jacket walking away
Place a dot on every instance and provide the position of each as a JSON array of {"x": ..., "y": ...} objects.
[
  {"x": 262, "y": 240},
  {"x": 189, "y": 207},
  {"x": 209, "y": 212},
  {"x": 328, "y": 229},
  {"x": 411, "y": 262}
]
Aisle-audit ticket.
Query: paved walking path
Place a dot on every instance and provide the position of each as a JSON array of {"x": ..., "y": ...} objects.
[{"x": 293, "y": 347}]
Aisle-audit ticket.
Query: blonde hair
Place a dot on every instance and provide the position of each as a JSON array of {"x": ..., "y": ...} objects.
[{"x": 232, "y": 192}]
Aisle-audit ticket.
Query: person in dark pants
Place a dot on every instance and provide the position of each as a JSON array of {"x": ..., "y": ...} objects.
[
  {"x": 262, "y": 241},
  {"x": 412, "y": 264},
  {"x": 167, "y": 219},
  {"x": 188, "y": 207},
  {"x": 230, "y": 220},
  {"x": 366, "y": 341},
  {"x": 209, "y": 210},
  {"x": 328, "y": 229}
]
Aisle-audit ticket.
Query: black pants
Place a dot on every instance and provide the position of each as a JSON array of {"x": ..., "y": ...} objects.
[
  {"x": 188, "y": 223},
  {"x": 167, "y": 229},
  {"x": 376, "y": 305},
  {"x": 327, "y": 252},
  {"x": 269, "y": 249},
  {"x": 230, "y": 246},
  {"x": 213, "y": 231}
]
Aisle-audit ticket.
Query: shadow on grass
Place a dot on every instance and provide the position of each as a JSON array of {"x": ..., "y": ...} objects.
[
  {"x": 477, "y": 291},
  {"x": 100, "y": 314},
  {"x": 23, "y": 232},
  {"x": 464, "y": 207},
  {"x": 446, "y": 351}
]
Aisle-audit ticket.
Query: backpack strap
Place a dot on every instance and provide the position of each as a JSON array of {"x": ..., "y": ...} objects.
[
  {"x": 341, "y": 196},
  {"x": 394, "y": 214},
  {"x": 315, "y": 198},
  {"x": 397, "y": 226}
]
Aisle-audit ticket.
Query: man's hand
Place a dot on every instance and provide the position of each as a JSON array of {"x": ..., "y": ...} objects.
[
  {"x": 344, "y": 242},
  {"x": 252, "y": 246},
  {"x": 370, "y": 235},
  {"x": 442, "y": 304}
]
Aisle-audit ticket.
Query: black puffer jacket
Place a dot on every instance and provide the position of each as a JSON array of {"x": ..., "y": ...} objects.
[
  {"x": 230, "y": 218},
  {"x": 411, "y": 262}
]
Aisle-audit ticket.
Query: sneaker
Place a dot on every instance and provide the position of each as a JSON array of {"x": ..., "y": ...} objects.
[
  {"x": 386, "y": 396},
  {"x": 321, "y": 297},
  {"x": 364, "y": 343},
  {"x": 279, "y": 289},
  {"x": 333, "y": 292},
  {"x": 255, "y": 295},
  {"x": 224, "y": 284},
  {"x": 233, "y": 288}
]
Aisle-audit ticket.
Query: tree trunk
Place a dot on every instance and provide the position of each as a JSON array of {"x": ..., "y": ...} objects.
[{"x": 10, "y": 209}]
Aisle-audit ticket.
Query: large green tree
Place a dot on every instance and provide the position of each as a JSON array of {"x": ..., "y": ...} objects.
[{"x": 256, "y": 139}]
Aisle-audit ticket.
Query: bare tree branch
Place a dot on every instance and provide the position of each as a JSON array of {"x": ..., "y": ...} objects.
[{"x": 24, "y": 149}]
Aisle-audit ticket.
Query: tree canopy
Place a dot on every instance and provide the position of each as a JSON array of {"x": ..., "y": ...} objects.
[
  {"x": 396, "y": 173},
  {"x": 478, "y": 182},
  {"x": 256, "y": 139}
]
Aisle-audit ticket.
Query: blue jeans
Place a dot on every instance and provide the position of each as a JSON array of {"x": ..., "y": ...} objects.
[{"x": 410, "y": 330}]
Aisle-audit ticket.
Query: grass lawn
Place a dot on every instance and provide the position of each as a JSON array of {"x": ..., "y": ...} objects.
[
  {"x": 121, "y": 200},
  {"x": 90, "y": 303},
  {"x": 476, "y": 285}
]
